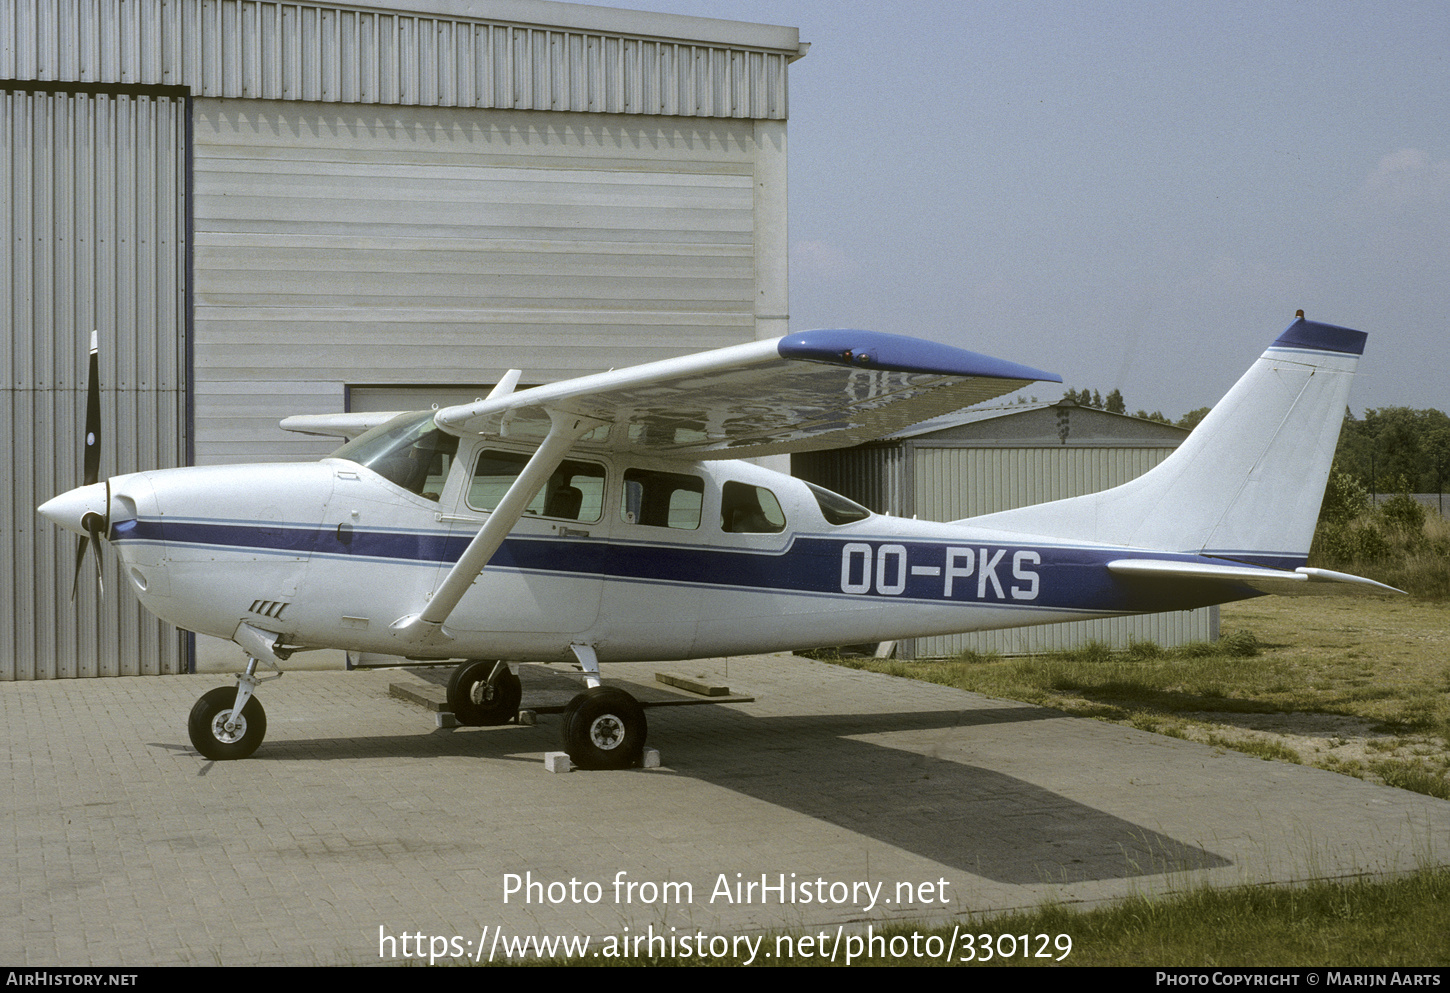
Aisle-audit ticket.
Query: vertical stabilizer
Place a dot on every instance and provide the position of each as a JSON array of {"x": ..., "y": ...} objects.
[{"x": 1247, "y": 483}]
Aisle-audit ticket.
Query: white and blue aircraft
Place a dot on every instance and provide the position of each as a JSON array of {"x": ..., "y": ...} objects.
[{"x": 609, "y": 518}]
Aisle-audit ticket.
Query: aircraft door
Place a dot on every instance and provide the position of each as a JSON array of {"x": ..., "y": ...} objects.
[
  {"x": 657, "y": 561},
  {"x": 545, "y": 578}
]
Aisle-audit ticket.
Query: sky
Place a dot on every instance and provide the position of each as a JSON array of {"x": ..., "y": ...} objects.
[{"x": 1136, "y": 195}]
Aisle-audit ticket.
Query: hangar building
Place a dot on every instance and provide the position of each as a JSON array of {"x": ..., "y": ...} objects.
[
  {"x": 270, "y": 208},
  {"x": 988, "y": 459}
]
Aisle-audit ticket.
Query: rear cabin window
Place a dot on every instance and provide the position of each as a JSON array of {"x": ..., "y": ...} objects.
[
  {"x": 575, "y": 491},
  {"x": 746, "y": 509},
  {"x": 662, "y": 499}
]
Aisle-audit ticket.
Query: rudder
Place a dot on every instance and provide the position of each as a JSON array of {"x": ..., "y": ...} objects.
[{"x": 1247, "y": 483}]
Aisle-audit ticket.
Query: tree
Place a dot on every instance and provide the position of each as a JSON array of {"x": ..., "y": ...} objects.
[
  {"x": 1190, "y": 420},
  {"x": 1396, "y": 443},
  {"x": 1115, "y": 404}
]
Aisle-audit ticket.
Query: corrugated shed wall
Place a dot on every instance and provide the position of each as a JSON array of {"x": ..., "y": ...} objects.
[
  {"x": 952, "y": 483},
  {"x": 303, "y": 56},
  {"x": 878, "y": 477},
  {"x": 92, "y": 222},
  {"x": 1118, "y": 633},
  {"x": 255, "y": 49}
]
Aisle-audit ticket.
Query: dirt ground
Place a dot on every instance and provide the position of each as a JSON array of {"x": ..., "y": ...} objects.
[{"x": 1385, "y": 659}]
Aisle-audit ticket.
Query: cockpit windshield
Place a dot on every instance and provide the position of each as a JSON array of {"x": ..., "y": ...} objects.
[{"x": 409, "y": 451}]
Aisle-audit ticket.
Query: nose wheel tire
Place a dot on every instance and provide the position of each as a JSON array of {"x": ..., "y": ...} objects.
[
  {"x": 604, "y": 728},
  {"x": 208, "y": 725},
  {"x": 477, "y": 702}
]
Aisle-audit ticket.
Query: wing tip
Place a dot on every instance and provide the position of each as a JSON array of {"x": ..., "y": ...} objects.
[{"x": 900, "y": 353}]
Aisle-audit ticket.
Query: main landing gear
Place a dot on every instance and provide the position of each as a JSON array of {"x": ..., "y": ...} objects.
[
  {"x": 604, "y": 727},
  {"x": 484, "y": 694}
]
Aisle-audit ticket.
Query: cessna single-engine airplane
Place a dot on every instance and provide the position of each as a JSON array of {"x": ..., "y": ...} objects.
[{"x": 607, "y": 518}]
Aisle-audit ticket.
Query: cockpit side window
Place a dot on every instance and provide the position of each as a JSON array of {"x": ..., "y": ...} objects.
[
  {"x": 746, "y": 509},
  {"x": 574, "y": 492},
  {"x": 408, "y": 451}
]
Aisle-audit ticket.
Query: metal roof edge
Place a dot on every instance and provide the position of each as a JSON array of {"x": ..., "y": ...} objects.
[{"x": 605, "y": 20}]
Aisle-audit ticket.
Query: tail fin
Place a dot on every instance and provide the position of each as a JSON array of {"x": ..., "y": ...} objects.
[{"x": 1247, "y": 483}]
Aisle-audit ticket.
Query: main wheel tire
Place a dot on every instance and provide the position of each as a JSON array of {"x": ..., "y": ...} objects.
[
  {"x": 604, "y": 728},
  {"x": 207, "y": 725},
  {"x": 476, "y": 703}
]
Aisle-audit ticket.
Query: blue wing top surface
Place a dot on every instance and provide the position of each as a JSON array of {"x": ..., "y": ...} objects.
[{"x": 813, "y": 390}]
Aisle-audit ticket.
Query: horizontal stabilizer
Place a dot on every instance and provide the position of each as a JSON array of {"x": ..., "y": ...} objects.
[{"x": 1303, "y": 581}]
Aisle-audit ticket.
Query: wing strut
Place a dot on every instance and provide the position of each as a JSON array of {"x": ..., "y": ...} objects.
[{"x": 427, "y": 625}]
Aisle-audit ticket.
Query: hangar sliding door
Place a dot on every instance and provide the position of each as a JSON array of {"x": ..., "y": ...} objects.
[{"x": 93, "y": 236}]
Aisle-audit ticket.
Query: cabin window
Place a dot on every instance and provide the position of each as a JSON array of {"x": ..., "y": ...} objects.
[
  {"x": 662, "y": 499},
  {"x": 746, "y": 509},
  {"x": 574, "y": 492},
  {"x": 408, "y": 451},
  {"x": 837, "y": 509}
]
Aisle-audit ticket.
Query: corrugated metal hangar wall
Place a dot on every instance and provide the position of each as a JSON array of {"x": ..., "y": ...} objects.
[
  {"x": 93, "y": 220},
  {"x": 266, "y": 207}
]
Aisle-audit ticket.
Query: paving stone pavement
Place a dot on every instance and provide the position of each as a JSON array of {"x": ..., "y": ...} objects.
[{"x": 358, "y": 822}]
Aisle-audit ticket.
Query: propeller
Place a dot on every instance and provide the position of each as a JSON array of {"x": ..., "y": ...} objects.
[{"x": 95, "y": 524}]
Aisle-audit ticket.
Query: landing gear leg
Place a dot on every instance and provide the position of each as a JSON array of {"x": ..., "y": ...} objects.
[{"x": 229, "y": 724}]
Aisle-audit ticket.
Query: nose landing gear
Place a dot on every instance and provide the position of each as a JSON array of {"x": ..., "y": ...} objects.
[
  {"x": 219, "y": 732},
  {"x": 228, "y": 724}
]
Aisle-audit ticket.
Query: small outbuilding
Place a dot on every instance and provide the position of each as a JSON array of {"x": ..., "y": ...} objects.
[{"x": 988, "y": 459}]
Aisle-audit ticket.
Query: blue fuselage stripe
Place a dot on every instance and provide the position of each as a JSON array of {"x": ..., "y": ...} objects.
[{"x": 1041, "y": 576}]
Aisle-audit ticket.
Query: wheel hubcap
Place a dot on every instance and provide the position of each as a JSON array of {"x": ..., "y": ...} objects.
[
  {"x": 220, "y": 732},
  {"x": 607, "y": 732}
]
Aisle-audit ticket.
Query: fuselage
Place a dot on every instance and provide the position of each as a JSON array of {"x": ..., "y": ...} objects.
[{"x": 640, "y": 559}]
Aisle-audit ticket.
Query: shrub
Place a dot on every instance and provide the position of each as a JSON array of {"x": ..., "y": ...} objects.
[
  {"x": 1345, "y": 498},
  {"x": 1405, "y": 516}
]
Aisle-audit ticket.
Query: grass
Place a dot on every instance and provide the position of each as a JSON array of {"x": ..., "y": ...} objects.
[
  {"x": 1363, "y": 687},
  {"x": 1395, "y": 922},
  {"x": 1357, "y": 686},
  {"x": 1399, "y": 543}
]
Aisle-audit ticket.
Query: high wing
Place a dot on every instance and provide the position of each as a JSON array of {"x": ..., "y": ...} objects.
[{"x": 816, "y": 389}]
